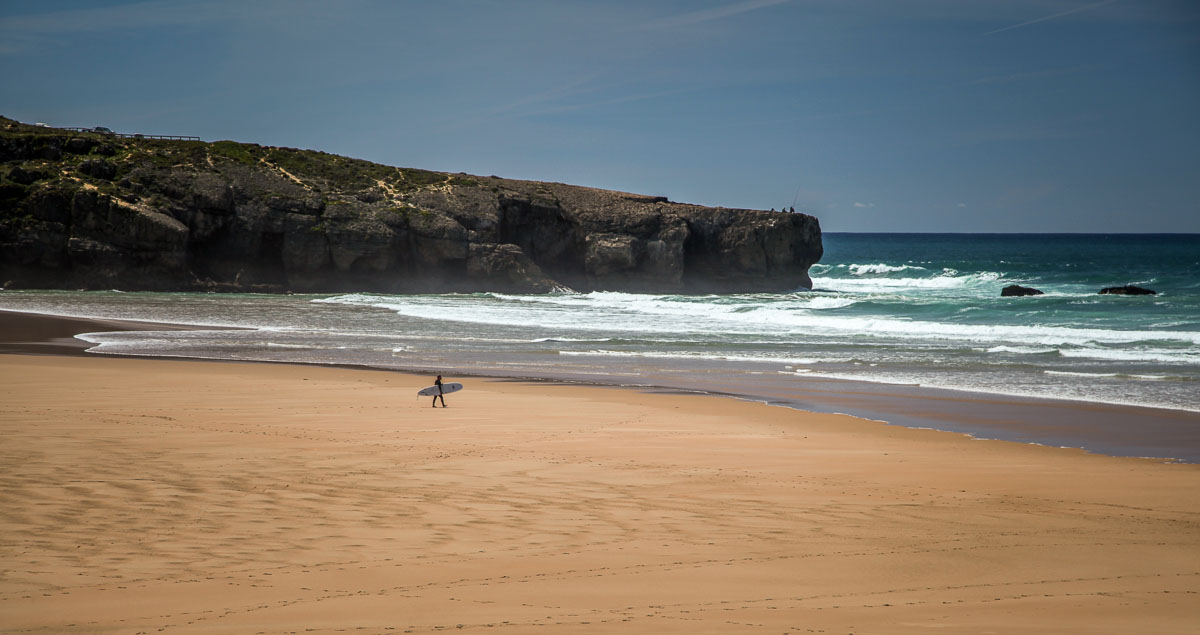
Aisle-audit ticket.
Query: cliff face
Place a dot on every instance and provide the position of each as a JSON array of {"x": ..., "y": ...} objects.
[{"x": 100, "y": 212}]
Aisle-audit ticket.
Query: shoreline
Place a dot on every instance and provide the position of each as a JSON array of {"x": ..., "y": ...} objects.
[{"x": 1160, "y": 434}]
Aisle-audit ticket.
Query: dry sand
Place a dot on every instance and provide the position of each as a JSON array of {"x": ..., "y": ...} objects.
[{"x": 182, "y": 496}]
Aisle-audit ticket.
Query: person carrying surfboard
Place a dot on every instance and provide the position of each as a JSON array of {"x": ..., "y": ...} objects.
[
  {"x": 440, "y": 395},
  {"x": 439, "y": 389}
]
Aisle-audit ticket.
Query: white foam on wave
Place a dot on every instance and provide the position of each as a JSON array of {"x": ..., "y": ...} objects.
[
  {"x": 777, "y": 316},
  {"x": 864, "y": 269},
  {"x": 310, "y": 347},
  {"x": 1072, "y": 373},
  {"x": 92, "y": 338},
  {"x": 818, "y": 303},
  {"x": 565, "y": 340},
  {"x": 945, "y": 281},
  {"x": 1022, "y": 350},
  {"x": 1137, "y": 355},
  {"x": 1137, "y": 376},
  {"x": 696, "y": 356},
  {"x": 868, "y": 269},
  {"x": 132, "y": 342}
]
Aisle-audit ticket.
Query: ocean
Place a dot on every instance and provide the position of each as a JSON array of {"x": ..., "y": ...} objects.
[{"x": 892, "y": 309}]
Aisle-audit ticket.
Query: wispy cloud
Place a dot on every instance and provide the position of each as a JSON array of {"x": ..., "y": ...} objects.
[
  {"x": 1054, "y": 16},
  {"x": 864, "y": 205},
  {"x": 706, "y": 15}
]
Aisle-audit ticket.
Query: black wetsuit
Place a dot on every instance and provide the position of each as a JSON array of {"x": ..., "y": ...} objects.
[{"x": 438, "y": 383}]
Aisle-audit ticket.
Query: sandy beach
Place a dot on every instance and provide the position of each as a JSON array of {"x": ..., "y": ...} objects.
[{"x": 139, "y": 496}]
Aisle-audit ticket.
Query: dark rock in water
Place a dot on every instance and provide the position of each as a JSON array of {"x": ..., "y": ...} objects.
[
  {"x": 1127, "y": 290},
  {"x": 1018, "y": 290},
  {"x": 241, "y": 217}
]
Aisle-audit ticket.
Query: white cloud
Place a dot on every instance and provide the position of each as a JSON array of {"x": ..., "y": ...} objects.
[{"x": 857, "y": 204}]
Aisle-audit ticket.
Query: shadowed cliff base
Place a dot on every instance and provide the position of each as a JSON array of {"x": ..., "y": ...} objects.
[{"x": 93, "y": 211}]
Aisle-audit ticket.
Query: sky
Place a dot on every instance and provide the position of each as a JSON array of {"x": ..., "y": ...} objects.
[{"x": 873, "y": 115}]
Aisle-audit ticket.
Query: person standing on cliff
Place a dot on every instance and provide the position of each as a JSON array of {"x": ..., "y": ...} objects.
[{"x": 438, "y": 382}]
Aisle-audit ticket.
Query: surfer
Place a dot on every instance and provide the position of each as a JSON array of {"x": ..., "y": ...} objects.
[{"x": 438, "y": 382}]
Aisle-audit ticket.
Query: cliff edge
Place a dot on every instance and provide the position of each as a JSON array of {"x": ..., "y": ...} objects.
[{"x": 94, "y": 211}]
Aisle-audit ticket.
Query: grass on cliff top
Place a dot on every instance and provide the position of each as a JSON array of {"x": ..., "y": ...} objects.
[
  {"x": 234, "y": 151},
  {"x": 12, "y": 127},
  {"x": 337, "y": 172}
]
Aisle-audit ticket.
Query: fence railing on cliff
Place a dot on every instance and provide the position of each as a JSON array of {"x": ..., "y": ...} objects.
[{"x": 136, "y": 135}]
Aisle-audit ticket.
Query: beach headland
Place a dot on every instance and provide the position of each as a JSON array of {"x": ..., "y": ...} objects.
[
  {"x": 169, "y": 214},
  {"x": 192, "y": 496}
]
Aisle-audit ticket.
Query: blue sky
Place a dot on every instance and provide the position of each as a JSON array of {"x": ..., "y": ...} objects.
[{"x": 874, "y": 115}]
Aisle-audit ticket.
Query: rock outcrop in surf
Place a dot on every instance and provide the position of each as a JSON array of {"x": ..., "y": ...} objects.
[
  {"x": 1128, "y": 289},
  {"x": 1016, "y": 290},
  {"x": 101, "y": 212}
]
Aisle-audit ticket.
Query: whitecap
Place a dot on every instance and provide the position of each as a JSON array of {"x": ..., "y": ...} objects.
[
  {"x": 944, "y": 281},
  {"x": 695, "y": 356},
  {"x": 564, "y": 340},
  {"x": 826, "y": 302},
  {"x": 775, "y": 316},
  {"x": 867, "y": 269},
  {"x": 1134, "y": 355},
  {"x": 1022, "y": 350},
  {"x": 1071, "y": 373}
]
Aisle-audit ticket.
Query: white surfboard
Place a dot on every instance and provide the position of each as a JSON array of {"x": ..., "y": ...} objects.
[{"x": 446, "y": 389}]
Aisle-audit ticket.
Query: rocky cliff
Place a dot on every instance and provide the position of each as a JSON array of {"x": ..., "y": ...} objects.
[{"x": 102, "y": 212}]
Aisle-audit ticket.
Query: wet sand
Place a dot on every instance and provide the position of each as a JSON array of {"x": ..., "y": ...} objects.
[
  {"x": 31, "y": 333},
  {"x": 1112, "y": 429},
  {"x": 139, "y": 495}
]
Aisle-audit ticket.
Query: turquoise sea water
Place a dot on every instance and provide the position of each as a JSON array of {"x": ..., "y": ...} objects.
[{"x": 913, "y": 309}]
